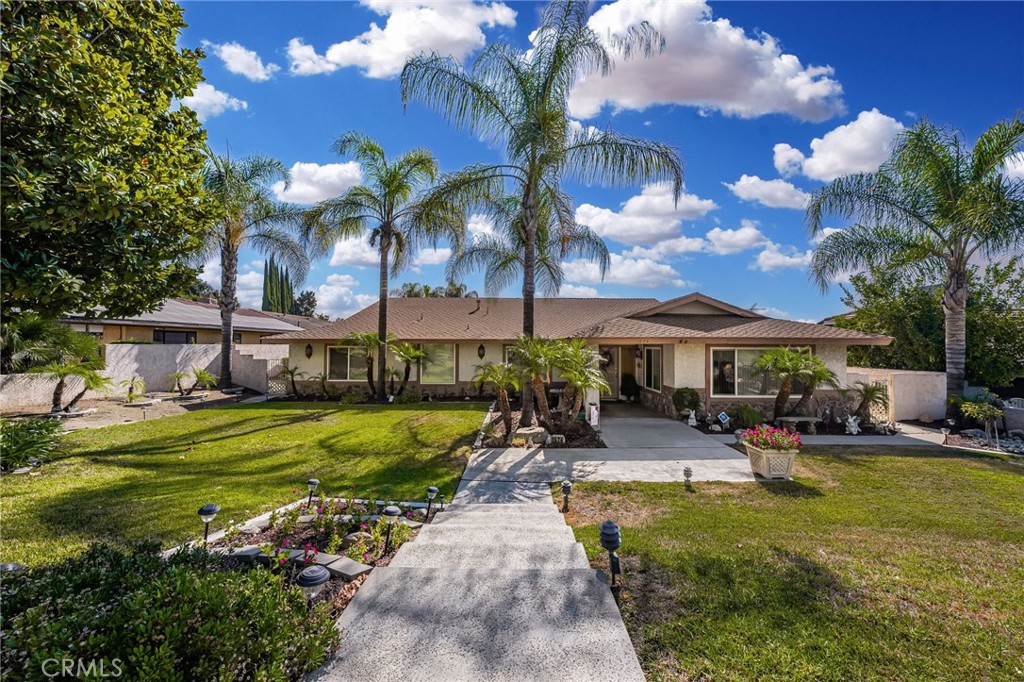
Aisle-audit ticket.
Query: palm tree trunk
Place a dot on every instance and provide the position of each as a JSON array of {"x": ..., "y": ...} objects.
[
  {"x": 805, "y": 399},
  {"x": 506, "y": 411},
  {"x": 954, "y": 305},
  {"x": 782, "y": 398},
  {"x": 405, "y": 379},
  {"x": 58, "y": 395},
  {"x": 530, "y": 210},
  {"x": 228, "y": 305},
  {"x": 74, "y": 401},
  {"x": 541, "y": 394},
  {"x": 568, "y": 400},
  {"x": 382, "y": 318}
]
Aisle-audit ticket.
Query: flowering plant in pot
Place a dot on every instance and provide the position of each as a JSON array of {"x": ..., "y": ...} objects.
[{"x": 771, "y": 451}]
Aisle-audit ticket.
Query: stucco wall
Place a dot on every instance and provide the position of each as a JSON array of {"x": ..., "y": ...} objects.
[
  {"x": 689, "y": 365},
  {"x": 1014, "y": 417},
  {"x": 834, "y": 357},
  {"x": 253, "y": 365},
  {"x": 911, "y": 394}
]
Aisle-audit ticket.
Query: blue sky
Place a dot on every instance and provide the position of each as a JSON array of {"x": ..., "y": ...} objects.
[{"x": 765, "y": 102}]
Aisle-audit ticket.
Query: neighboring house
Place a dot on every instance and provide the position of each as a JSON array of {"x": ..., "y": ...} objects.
[
  {"x": 694, "y": 341},
  {"x": 183, "y": 321}
]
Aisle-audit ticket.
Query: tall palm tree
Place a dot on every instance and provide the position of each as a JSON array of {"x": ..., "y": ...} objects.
[
  {"x": 395, "y": 208},
  {"x": 518, "y": 101},
  {"x": 931, "y": 207},
  {"x": 249, "y": 216},
  {"x": 502, "y": 255}
]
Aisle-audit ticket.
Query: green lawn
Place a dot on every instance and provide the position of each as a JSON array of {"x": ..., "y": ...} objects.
[
  {"x": 147, "y": 479},
  {"x": 907, "y": 566}
]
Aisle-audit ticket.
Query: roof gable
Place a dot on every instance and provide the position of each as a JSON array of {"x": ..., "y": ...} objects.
[{"x": 696, "y": 304}]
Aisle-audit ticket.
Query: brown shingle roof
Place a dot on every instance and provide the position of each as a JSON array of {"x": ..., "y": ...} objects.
[
  {"x": 486, "y": 319},
  {"x": 725, "y": 328}
]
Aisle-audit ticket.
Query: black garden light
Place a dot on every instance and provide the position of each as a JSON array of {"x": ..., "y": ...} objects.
[
  {"x": 431, "y": 494},
  {"x": 312, "y": 485},
  {"x": 566, "y": 492},
  {"x": 208, "y": 513},
  {"x": 391, "y": 514},
  {"x": 611, "y": 539},
  {"x": 312, "y": 580}
]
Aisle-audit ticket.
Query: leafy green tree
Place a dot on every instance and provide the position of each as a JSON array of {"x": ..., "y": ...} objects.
[
  {"x": 932, "y": 206},
  {"x": 102, "y": 179},
  {"x": 502, "y": 377},
  {"x": 249, "y": 216},
  {"x": 908, "y": 307},
  {"x": 277, "y": 288},
  {"x": 199, "y": 290},
  {"x": 394, "y": 208},
  {"x": 502, "y": 255},
  {"x": 518, "y": 101},
  {"x": 305, "y": 304}
]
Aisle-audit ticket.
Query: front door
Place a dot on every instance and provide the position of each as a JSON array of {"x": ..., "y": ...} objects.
[{"x": 610, "y": 365}]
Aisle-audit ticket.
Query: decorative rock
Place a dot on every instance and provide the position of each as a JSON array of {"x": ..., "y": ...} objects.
[
  {"x": 412, "y": 524},
  {"x": 307, "y": 518},
  {"x": 973, "y": 433},
  {"x": 925, "y": 418},
  {"x": 22, "y": 470},
  {"x": 536, "y": 434},
  {"x": 1016, "y": 433},
  {"x": 354, "y": 538},
  {"x": 419, "y": 514},
  {"x": 347, "y": 569},
  {"x": 716, "y": 428}
]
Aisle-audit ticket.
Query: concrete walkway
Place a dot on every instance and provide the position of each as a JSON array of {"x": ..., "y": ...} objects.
[
  {"x": 490, "y": 591},
  {"x": 642, "y": 446}
]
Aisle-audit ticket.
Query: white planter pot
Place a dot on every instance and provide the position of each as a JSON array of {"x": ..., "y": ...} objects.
[{"x": 771, "y": 464}]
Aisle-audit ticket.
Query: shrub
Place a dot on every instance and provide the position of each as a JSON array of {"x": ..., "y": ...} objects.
[
  {"x": 20, "y": 440},
  {"x": 746, "y": 415},
  {"x": 770, "y": 438},
  {"x": 982, "y": 412},
  {"x": 184, "y": 618},
  {"x": 350, "y": 398},
  {"x": 408, "y": 398},
  {"x": 686, "y": 399},
  {"x": 629, "y": 387}
]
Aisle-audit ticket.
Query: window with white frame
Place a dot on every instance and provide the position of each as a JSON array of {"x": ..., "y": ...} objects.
[
  {"x": 346, "y": 363},
  {"x": 439, "y": 365},
  {"x": 652, "y": 367},
  {"x": 734, "y": 373}
]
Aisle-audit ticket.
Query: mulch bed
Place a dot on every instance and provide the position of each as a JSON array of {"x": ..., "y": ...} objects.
[{"x": 580, "y": 435}]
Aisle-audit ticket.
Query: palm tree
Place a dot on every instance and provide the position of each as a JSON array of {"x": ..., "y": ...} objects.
[
  {"x": 249, "y": 216},
  {"x": 815, "y": 373},
  {"x": 867, "y": 396},
  {"x": 396, "y": 210},
  {"x": 786, "y": 365},
  {"x": 518, "y": 101},
  {"x": 502, "y": 377},
  {"x": 29, "y": 339},
  {"x": 292, "y": 372},
  {"x": 502, "y": 255},
  {"x": 536, "y": 356},
  {"x": 410, "y": 355},
  {"x": 79, "y": 357},
  {"x": 931, "y": 207},
  {"x": 91, "y": 381},
  {"x": 371, "y": 344},
  {"x": 581, "y": 369}
]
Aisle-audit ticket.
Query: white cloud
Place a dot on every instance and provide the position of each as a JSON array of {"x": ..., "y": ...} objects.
[
  {"x": 668, "y": 248},
  {"x": 646, "y": 218},
  {"x": 433, "y": 256},
  {"x": 211, "y": 273},
  {"x": 725, "y": 242},
  {"x": 355, "y": 251},
  {"x": 336, "y": 296},
  {"x": 634, "y": 272},
  {"x": 1014, "y": 168},
  {"x": 775, "y": 257},
  {"x": 250, "y": 289},
  {"x": 707, "y": 63},
  {"x": 574, "y": 291},
  {"x": 825, "y": 231},
  {"x": 478, "y": 224},
  {"x": 207, "y": 101},
  {"x": 772, "y": 193},
  {"x": 452, "y": 27},
  {"x": 313, "y": 182},
  {"x": 243, "y": 61},
  {"x": 860, "y": 146}
]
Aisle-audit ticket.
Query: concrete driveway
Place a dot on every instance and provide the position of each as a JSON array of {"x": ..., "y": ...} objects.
[{"x": 642, "y": 446}]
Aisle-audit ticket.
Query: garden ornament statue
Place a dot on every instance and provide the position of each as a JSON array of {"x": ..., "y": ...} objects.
[
  {"x": 692, "y": 419},
  {"x": 852, "y": 427}
]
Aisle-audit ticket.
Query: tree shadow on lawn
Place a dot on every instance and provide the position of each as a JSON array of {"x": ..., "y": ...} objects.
[
  {"x": 791, "y": 488},
  {"x": 863, "y": 455}
]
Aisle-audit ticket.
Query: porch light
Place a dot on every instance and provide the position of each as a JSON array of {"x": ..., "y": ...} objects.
[
  {"x": 481, "y": 351},
  {"x": 312, "y": 485},
  {"x": 611, "y": 540},
  {"x": 431, "y": 494},
  {"x": 391, "y": 514},
  {"x": 566, "y": 491},
  {"x": 312, "y": 580},
  {"x": 309, "y": 351},
  {"x": 208, "y": 513}
]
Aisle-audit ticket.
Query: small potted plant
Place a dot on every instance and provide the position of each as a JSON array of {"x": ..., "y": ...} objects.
[{"x": 771, "y": 451}]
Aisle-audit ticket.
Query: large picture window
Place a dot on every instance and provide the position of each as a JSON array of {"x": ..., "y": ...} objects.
[
  {"x": 439, "y": 366},
  {"x": 173, "y": 336},
  {"x": 652, "y": 368},
  {"x": 346, "y": 363},
  {"x": 733, "y": 373}
]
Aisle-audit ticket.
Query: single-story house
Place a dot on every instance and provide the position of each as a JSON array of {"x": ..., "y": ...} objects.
[
  {"x": 692, "y": 341},
  {"x": 183, "y": 321}
]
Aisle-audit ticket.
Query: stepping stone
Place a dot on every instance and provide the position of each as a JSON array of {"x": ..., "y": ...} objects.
[
  {"x": 347, "y": 569},
  {"x": 246, "y": 555}
]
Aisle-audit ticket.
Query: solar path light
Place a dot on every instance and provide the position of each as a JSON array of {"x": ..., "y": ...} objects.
[
  {"x": 431, "y": 494},
  {"x": 391, "y": 514},
  {"x": 312, "y": 580},
  {"x": 611, "y": 539},
  {"x": 566, "y": 491},
  {"x": 208, "y": 513},
  {"x": 312, "y": 485}
]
